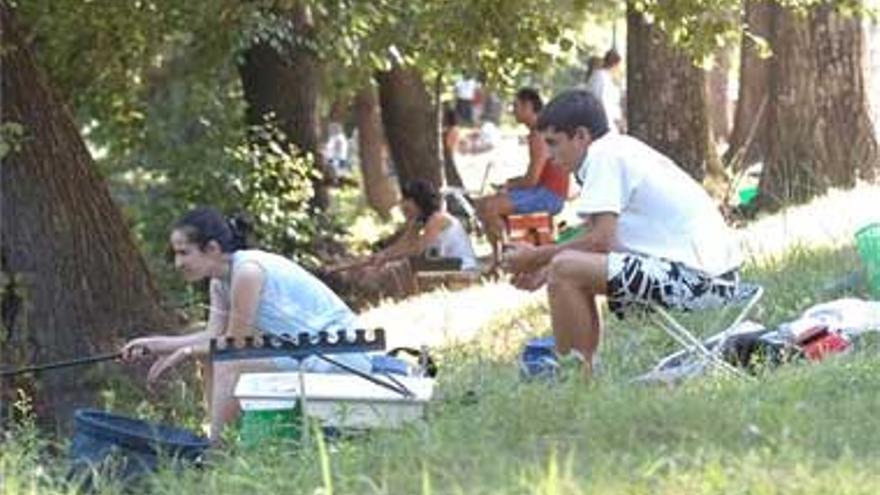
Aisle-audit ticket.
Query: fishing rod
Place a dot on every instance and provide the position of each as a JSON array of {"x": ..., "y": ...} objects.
[{"x": 61, "y": 364}]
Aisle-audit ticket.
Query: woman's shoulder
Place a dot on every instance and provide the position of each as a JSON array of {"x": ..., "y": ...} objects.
[
  {"x": 441, "y": 218},
  {"x": 267, "y": 260}
]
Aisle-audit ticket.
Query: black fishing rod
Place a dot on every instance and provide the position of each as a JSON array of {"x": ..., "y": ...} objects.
[{"x": 99, "y": 358}]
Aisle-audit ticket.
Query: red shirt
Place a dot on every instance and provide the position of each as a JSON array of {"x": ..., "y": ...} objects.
[{"x": 555, "y": 179}]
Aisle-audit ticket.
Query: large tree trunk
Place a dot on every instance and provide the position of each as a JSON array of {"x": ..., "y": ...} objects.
[
  {"x": 379, "y": 188},
  {"x": 73, "y": 282},
  {"x": 719, "y": 103},
  {"x": 410, "y": 125},
  {"x": 284, "y": 85},
  {"x": 667, "y": 100},
  {"x": 819, "y": 129},
  {"x": 748, "y": 139}
]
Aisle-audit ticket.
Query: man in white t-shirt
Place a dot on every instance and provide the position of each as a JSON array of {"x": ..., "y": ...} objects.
[{"x": 653, "y": 234}]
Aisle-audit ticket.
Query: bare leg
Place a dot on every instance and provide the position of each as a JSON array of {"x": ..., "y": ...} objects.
[
  {"x": 224, "y": 406},
  {"x": 492, "y": 211},
  {"x": 576, "y": 278}
]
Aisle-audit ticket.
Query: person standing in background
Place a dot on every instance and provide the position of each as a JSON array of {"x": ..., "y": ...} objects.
[
  {"x": 465, "y": 91},
  {"x": 602, "y": 85}
]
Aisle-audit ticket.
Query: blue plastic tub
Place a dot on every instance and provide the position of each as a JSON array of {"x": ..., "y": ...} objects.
[
  {"x": 124, "y": 448},
  {"x": 538, "y": 359}
]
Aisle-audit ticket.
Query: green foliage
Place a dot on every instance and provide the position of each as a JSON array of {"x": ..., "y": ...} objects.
[
  {"x": 259, "y": 175},
  {"x": 11, "y": 136},
  {"x": 703, "y": 26},
  {"x": 275, "y": 186},
  {"x": 503, "y": 40}
]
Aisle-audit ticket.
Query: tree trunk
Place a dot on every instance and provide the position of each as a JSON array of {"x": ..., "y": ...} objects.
[
  {"x": 719, "y": 104},
  {"x": 819, "y": 130},
  {"x": 378, "y": 186},
  {"x": 667, "y": 100},
  {"x": 748, "y": 139},
  {"x": 410, "y": 125},
  {"x": 283, "y": 87},
  {"x": 73, "y": 282}
]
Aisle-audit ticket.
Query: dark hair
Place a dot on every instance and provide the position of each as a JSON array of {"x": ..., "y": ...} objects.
[
  {"x": 530, "y": 95},
  {"x": 424, "y": 195},
  {"x": 450, "y": 117},
  {"x": 594, "y": 63},
  {"x": 572, "y": 109},
  {"x": 611, "y": 59},
  {"x": 205, "y": 224}
]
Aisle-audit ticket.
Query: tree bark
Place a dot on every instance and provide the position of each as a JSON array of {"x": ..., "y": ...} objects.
[
  {"x": 819, "y": 130},
  {"x": 719, "y": 104},
  {"x": 73, "y": 282},
  {"x": 410, "y": 125},
  {"x": 283, "y": 88},
  {"x": 378, "y": 185},
  {"x": 748, "y": 139},
  {"x": 666, "y": 99}
]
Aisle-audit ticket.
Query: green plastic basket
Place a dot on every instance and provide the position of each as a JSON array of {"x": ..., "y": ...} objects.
[
  {"x": 868, "y": 245},
  {"x": 256, "y": 426},
  {"x": 569, "y": 233},
  {"x": 747, "y": 195}
]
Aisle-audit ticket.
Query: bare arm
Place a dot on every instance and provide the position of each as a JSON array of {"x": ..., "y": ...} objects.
[
  {"x": 407, "y": 245},
  {"x": 599, "y": 239},
  {"x": 538, "y": 156},
  {"x": 232, "y": 313}
]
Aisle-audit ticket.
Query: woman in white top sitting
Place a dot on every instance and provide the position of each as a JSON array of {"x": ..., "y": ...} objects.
[
  {"x": 430, "y": 235},
  {"x": 430, "y": 231},
  {"x": 251, "y": 292}
]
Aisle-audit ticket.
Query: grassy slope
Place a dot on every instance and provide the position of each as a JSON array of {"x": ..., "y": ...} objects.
[{"x": 805, "y": 429}]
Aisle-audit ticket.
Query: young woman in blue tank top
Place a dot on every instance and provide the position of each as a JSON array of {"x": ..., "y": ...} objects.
[{"x": 251, "y": 291}]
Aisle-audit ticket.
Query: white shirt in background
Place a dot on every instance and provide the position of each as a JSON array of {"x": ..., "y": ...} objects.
[
  {"x": 601, "y": 85},
  {"x": 662, "y": 211},
  {"x": 336, "y": 148},
  {"x": 466, "y": 89}
]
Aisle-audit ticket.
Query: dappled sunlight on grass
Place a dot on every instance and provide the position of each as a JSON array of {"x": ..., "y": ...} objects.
[{"x": 804, "y": 428}]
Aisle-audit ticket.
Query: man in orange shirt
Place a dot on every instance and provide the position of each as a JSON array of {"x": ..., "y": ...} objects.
[{"x": 543, "y": 187}]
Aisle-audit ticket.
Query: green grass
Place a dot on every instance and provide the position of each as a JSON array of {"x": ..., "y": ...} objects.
[{"x": 804, "y": 429}]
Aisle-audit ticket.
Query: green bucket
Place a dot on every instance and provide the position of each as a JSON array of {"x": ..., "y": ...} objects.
[
  {"x": 262, "y": 422},
  {"x": 868, "y": 245},
  {"x": 747, "y": 195}
]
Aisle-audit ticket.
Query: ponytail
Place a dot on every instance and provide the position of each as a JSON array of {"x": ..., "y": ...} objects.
[
  {"x": 205, "y": 224},
  {"x": 241, "y": 228}
]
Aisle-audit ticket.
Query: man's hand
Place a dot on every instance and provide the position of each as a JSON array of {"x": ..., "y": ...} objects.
[
  {"x": 531, "y": 281},
  {"x": 520, "y": 258}
]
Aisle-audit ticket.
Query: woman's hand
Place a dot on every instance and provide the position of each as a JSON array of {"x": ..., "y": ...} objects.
[
  {"x": 141, "y": 347},
  {"x": 166, "y": 362}
]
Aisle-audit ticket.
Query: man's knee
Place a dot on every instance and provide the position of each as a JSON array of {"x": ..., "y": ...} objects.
[
  {"x": 576, "y": 268},
  {"x": 561, "y": 268}
]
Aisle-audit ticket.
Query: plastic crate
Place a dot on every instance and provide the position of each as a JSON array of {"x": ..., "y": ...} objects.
[{"x": 868, "y": 246}]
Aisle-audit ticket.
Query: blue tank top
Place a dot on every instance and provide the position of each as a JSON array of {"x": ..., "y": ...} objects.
[{"x": 293, "y": 300}]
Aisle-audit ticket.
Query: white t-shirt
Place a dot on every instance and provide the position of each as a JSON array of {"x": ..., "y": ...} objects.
[
  {"x": 466, "y": 89},
  {"x": 336, "y": 148},
  {"x": 602, "y": 85},
  {"x": 662, "y": 211}
]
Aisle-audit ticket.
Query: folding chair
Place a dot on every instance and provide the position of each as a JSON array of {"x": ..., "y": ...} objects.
[{"x": 708, "y": 353}]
